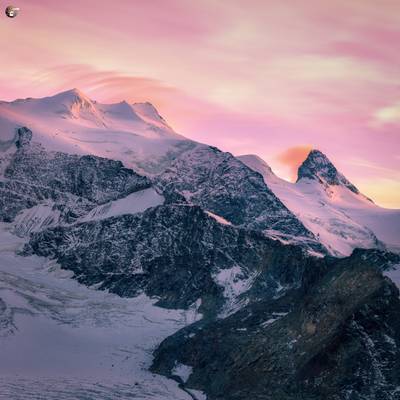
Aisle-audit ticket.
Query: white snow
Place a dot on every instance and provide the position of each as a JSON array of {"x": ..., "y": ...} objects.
[
  {"x": 183, "y": 371},
  {"x": 275, "y": 317},
  {"x": 200, "y": 395},
  {"x": 149, "y": 113},
  {"x": 341, "y": 219},
  {"x": 218, "y": 218},
  {"x": 131, "y": 204},
  {"x": 70, "y": 341},
  {"x": 73, "y": 123},
  {"x": 234, "y": 282},
  {"x": 268, "y": 322},
  {"x": 36, "y": 218}
]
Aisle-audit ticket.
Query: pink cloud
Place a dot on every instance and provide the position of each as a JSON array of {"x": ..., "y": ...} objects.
[{"x": 257, "y": 76}]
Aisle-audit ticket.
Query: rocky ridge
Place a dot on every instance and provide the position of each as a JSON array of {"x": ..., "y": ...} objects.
[
  {"x": 278, "y": 322},
  {"x": 337, "y": 337},
  {"x": 70, "y": 185},
  {"x": 220, "y": 183},
  {"x": 317, "y": 166}
]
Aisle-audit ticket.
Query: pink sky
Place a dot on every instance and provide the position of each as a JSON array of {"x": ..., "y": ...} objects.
[{"x": 272, "y": 78}]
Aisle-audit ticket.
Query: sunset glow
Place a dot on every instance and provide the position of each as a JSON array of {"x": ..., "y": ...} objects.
[{"x": 270, "y": 78}]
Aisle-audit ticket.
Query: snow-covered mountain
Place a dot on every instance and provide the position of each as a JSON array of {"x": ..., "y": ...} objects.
[
  {"x": 120, "y": 240},
  {"x": 69, "y": 125},
  {"x": 331, "y": 207},
  {"x": 321, "y": 207},
  {"x": 223, "y": 185},
  {"x": 71, "y": 122},
  {"x": 60, "y": 340}
]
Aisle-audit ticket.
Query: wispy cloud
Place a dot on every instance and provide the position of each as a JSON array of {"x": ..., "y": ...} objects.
[
  {"x": 388, "y": 115},
  {"x": 248, "y": 76}
]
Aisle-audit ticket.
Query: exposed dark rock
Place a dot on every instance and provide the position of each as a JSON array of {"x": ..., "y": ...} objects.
[
  {"x": 24, "y": 137},
  {"x": 94, "y": 178},
  {"x": 318, "y": 167},
  {"x": 74, "y": 183},
  {"x": 174, "y": 252},
  {"x": 278, "y": 323},
  {"x": 220, "y": 183},
  {"x": 339, "y": 340}
]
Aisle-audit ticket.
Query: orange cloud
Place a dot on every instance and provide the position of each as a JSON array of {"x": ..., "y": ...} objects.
[{"x": 293, "y": 157}]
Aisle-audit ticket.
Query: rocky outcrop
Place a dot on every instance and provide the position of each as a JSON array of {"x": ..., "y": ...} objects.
[
  {"x": 220, "y": 183},
  {"x": 177, "y": 253},
  {"x": 96, "y": 179},
  {"x": 75, "y": 184},
  {"x": 277, "y": 323},
  {"x": 339, "y": 339},
  {"x": 317, "y": 166}
]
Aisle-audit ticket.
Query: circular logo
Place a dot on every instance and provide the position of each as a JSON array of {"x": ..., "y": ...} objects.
[{"x": 12, "y": 11}]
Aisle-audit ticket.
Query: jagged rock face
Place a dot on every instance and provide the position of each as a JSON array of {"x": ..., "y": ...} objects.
[
  {"x": 16, "y": 196},
  {"x": 74, "y": 183},
  {"x": 24, "y": 137},
  {"x": 278, "y": 323},
  {"x": 318, "y": 166},
  {"x": 340, "y": 339},
  {"x": 96, "y": 179},
  {"x": 177, "y": 253},
  {"x": 220, "y": 183}
]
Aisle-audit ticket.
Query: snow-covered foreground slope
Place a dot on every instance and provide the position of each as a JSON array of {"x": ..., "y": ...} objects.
[
  {"x": 62, "y": 340},
  {"x": 331, "y": 207},
  {"x": 71, "y": 122}
]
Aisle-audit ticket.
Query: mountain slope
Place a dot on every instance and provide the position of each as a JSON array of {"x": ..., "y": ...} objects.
[
  {"x": 262, "y": 319},
  {"x": 327, "y": 204},
  {"x": 220, "y": 183},
  {"x": 58, "y": 187},
  {"x": 385, "y": 223},
  {"x": 318, "y": 167},
  {"x": 331, "y": 207},
  {"x": 72, "y": 123},
  {"x": 60, "y": 340},
  {"x": 336, "y": 338},
  {"x": 177, "y": 253}
]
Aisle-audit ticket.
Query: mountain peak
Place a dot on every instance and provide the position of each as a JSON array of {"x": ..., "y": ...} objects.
[
  {"x": 74, "y": 104},
  {"x": 257, "y": 164},
  {"x": 75, "y": 92},
  {"x": 317, "y": 166},
  {"x": 71, "y": 96},
  {"x": 149, "y": 112}
]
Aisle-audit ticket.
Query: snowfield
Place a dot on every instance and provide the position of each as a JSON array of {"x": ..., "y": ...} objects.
[
  {"x": 60, "y": 340},
  {"x": 72, "y": 123},
  {"x": 131, "y": 204},
  {"x": 340, "y": 218},
  {"x": 72, "y": 342}
]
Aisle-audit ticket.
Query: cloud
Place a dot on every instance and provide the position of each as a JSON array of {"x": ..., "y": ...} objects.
[
  {"x": 388, "y": 115},
  {"x": 248, "y": 77},
  {"x": 111, "y": 86},
  {"x": 293, "y": 157}
]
